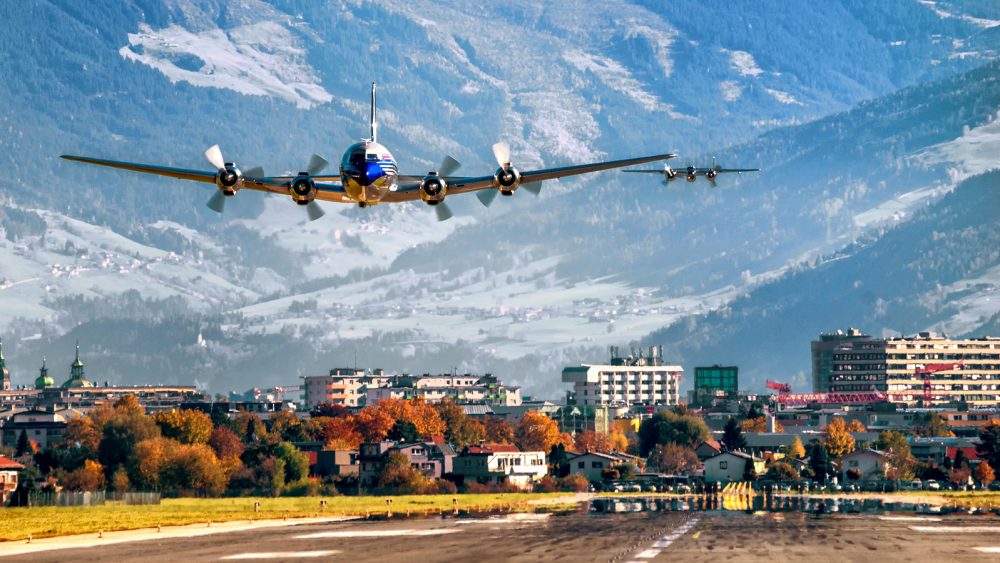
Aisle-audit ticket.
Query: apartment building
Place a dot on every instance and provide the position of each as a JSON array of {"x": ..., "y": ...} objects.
[
  {"x": 625, "y": 381},
  {"x": 840, "y": 343},
  {"x": 343, "y": 386},
  {"x": 498, "y": 464},
  {"x": 965, "y": 371},
  {"x": 463, "y": 389}
]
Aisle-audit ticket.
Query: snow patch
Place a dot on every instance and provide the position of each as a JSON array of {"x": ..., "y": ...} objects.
[
  {"x": 743, "y": 63},
  {"x": 261, "y": 59},
  {"x": 618, "y": 78},
  {"x": 783, "y": 97},
  {"x": 973, "y": 153},
  {"x": 944, "y": 14},
  {"x": 731, "y": 90}
]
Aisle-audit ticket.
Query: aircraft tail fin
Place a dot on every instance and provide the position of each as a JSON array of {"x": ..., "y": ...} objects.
[{"x": 373, "y": 123}]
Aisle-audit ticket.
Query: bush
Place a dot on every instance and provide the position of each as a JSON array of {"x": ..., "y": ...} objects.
[
  {"x": 575, "y": 483},
  {"x": 307, "y": 487},
  {"x": 491, "y": 488},
  {"x": 547, "y": 484}
]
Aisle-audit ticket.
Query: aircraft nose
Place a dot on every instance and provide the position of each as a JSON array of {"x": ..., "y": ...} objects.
[{"x": 373, "y": 171}]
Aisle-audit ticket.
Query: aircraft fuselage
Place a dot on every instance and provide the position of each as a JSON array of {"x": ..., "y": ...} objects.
[{"x": 368, "y": 172}]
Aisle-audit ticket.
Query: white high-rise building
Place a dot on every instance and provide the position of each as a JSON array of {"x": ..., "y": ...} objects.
[{"x": 633, "y": 380}]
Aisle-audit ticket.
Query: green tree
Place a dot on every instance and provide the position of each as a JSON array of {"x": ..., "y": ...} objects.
[
  {"x": 901, "y": 463},
  {"x": 732, "y": 436},
  {"x": 120, "y": 436},
  {"x": 667, "y": 427},
  {"x": 460, "y": 430},
  {"x": 23, "y": 444},
  {"x": 783, "y": 472},
  {"x": 931, "y": 425},
  {"x": 404, "y": 431},
  {"x": 296, "y": 463},
  {"x": 819, "y": 462}
]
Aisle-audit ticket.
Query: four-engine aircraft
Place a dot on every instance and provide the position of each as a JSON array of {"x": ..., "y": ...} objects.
[
  {"x": 369, "y": 176},
  {"x": 691, "y": 173}
]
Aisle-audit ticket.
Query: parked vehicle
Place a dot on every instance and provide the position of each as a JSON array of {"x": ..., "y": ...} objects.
[{"x": 932, "y": 485}]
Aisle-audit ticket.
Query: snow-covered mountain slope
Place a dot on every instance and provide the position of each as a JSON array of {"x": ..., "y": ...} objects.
[{"x": 520, "y": 286}]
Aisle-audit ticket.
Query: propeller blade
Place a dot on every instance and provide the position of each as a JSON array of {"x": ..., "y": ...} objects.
[
  {"x": 256, "y": 172},
  {"x": 217, "y": 202},
  {"x": 443, "y": 211},
  {"x": 487, "y": 196},
  {"x": 533, "y": 187},
  {"x": 316, "y": 165},
  {"x": 314, "y": 210},
  {"x": 712, "y": 182},
  {"x": 502, "y": 153},
  {"x": 214, "y": 155},
  {"x": 448, "y": 166}
]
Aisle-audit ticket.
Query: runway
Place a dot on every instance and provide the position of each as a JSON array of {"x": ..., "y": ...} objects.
[{"x": 581, "y": 536}]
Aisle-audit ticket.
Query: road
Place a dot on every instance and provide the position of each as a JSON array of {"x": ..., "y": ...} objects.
[{"x": 651, "y": 536}]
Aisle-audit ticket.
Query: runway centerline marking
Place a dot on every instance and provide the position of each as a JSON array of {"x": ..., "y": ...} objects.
[
  {"x": 910, "y": 518},
  {"x": 282, "y": 554},
  {"x": 376, "y": 533},
  {"x": 990, "y": 549},
  {"x": 668, "y": 539}
]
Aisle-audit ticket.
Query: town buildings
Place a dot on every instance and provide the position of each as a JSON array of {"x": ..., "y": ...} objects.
[
  {"x": 9, "y": 470},
  {"x": 633, "y": 380},
  {"x": 355, "y": 388},
  {"x": 715, "y": 383},
  {"x": 730, "y": 466},
  {"x": 433, "y": 458},
  {"x": 852, "y": 343}
]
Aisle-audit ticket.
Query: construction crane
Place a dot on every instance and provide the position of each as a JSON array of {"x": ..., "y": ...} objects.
[
  {"x": 926, "y": 371},
  {"x": 779, "y": 387}
]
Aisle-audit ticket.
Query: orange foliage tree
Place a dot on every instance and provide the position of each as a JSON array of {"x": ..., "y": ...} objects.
[
  {"x": 591, "y": 441},
  {"x": 498, "y": 431},
  {"x": 187, "y": 426},
  {"x": 341, "y": 433},
  {"x": 536, "y": 432}
]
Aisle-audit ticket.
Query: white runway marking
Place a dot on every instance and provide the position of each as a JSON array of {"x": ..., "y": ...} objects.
[
  {"x": 376, "y": 533},
  {"x": 957, "y": 529},
  {"x": 988, "y": 549},
  {"x": 282, "y": 554},
  {"x": 910, "y": 518},
  {"x": 511, "y": 519},
  {"x": 666, "y": 540}
]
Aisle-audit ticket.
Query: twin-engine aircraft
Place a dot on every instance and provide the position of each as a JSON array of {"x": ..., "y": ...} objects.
[
  {"x": 691, "y": 173},
  {"x": 369, "y": 176}
]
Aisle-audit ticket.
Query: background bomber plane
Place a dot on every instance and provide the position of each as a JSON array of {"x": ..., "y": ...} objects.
[
  {"x": 691, "y": 173},
  {"x": 369, "y": 176}
]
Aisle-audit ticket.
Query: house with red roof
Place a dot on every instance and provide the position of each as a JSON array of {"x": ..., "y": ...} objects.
[{"x": 9, "y": 470}]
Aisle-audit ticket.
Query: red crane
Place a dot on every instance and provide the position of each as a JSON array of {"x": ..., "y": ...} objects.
[
  {"x": 926, "y": 371},
  {"x": 779, "y": 387}
]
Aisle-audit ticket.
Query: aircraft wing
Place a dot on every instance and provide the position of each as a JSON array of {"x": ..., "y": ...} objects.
[
  {"x": 409, "y": 187},
  {"x": 721, "y": 170},
  {"x": 272, "y": 184},
  {"x": 646, "y": 171}
]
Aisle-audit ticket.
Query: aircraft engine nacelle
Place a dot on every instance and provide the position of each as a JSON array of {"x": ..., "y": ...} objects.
[
  {"x": 711, "y": 174},
  {"x": 229, "y": 179},
  {"x": 433, "y": 188},
  {"x": 303, "y": 189},
  {"x": 691, "y": 177},
  {"x": 670, "y": 174},
  {"x": 507, "y": 180}
]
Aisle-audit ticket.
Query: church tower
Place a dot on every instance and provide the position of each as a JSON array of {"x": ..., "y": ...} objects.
[
  {"x": 4, "y": 372},
  {"x": 44, "y": 380},
  {"x": 76, "y": 375}
]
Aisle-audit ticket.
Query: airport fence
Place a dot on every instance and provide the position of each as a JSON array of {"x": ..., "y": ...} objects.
[{"x": 94, "y": 498}]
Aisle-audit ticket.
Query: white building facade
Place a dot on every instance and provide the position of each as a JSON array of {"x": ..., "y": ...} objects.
[{"x": 628, "y": 381}]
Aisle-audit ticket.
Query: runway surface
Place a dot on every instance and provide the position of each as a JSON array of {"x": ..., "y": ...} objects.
[{"x": 582, "y": 536}]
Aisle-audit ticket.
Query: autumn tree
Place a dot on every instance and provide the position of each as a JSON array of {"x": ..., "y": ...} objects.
[
  {"x": 536, "y": 432},
  {"x": 591, "y": 441},
  {"x": 249, "y": 427},
  {"x": 674, "y": 459},
  {"x": 227, "y": 447},
  {"x": 125, "y": 429},
  {"x": 144, "y": 467},
  {"x": 837, "y": 438},
  {"x": 192, "y": 468},
  {"x": 374, "y": 424},
  {"x": 498, "y": 431},
  {"x": 460, "y": 430},
  {"x": 984, "y": 473},
  {"x": 187, "y": 426},
  {"x": 667, "y": 427},
  {"x": 759, "y": 425},
  {"x": 398, "y": 476},
  {"x": 90, "y": 477},
  {"x": 795, "y": 450},
  {"x": 340, "y": 433},
  {"x": 285, "y": 425},
  {"x": 782, "y": 472},
  {"x": 901, "y": 463},
  {"x": 855, "y": 426},
  {"x": 330, "y": 410}
]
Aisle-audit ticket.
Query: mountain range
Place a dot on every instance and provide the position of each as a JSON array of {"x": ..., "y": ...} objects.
[{"x": 870, "y": 121}]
